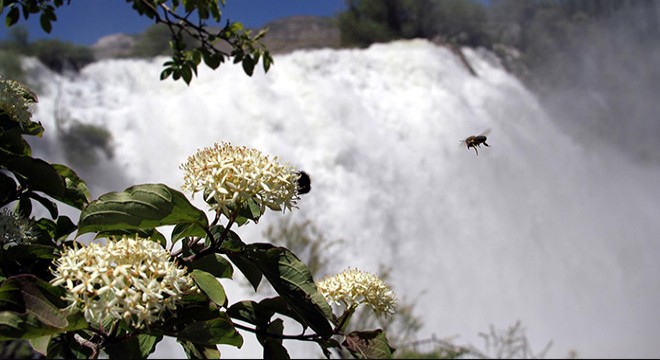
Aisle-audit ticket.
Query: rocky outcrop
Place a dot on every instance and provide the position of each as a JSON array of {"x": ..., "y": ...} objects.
[
  {"x": 284, "y": 35},
  {"x": 112, "y": 46},
  {"x": 301, "y": 32}
]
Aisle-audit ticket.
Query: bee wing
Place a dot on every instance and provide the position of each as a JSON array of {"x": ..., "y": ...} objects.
[{"x": 485, "y": 132}]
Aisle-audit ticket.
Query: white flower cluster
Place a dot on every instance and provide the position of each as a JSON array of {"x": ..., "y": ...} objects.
[
  {"x": 15, "y": 101},
  {"x": 353, "y": 287},
  {"x": 14, "y": 229},
  {"x": 229, "y": 175},
  {"x": 134, "y": 280}
]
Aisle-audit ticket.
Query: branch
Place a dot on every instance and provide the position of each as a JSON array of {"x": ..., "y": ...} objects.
[
  {"x": 302, "y": 337},
  {"x": 200, "y": 33},
  {"x": 215, "y": 243},
  {"x": 88, "y": 344}
]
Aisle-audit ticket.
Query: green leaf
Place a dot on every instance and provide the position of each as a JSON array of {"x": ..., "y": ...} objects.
[
  {"x": 165, "y": 73},
  {"x": 32, "y": 252},
  {"x": 279, "y": 305},
  {"x": 186, "y": 73},
  {"x": 248, "y": 65},
  {"x": 249, "y": 311},
  {"x": 293, "y": 281},
  {"x": 12, "y": 16},
  {"x": 210, "y": 286},
  {"x": 139, "y": 206},
  {"x": 38, "y": 174},
  {"x": 215, "y": 331},
  {"x": 76, "y": 193},
  {"x": 36, "y": 302},
  {"x": 12, "y": 142},
  {"x": 10, "y": 297},
  {"x": 232, "y": 246},
  {"x": 7, "y": 188},
  {"x": 51, "y": 206},
  {"x": 259, "y": 314},
  {"x": 48, "y": 227},
  {"x": 41, "y": 314},
  {"x": 40, "y": 344},
  {"x": 267, "y": 62},
  {"x": 64, "y": 227},
  {"x": 200, "y": 351},
  {"x": 44, "y": 21},
  {"x": 181, "y": 231},
  {"x": 10, "y": 319},
  {"x": 238, "y": 55},
  {"x": 249, "y": 269},
  {"x": 215, "y": 265},
  {"x": 135, "y": 347},
  {"x": 249, "y": 210},
  {"x": 24, "y": 207},
  {"x": 193, "y": 308},
  {"x": 212, "y": 61},
  {"x": 273, "y": 348},
  {"x": 368, "y": 344}
]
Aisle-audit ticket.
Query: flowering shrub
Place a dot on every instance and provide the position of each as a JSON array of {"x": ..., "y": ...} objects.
[
  {"x": 122, "y": 297},
  {"x": 229, "y": 176},
  {"x": 134, "y": 280},
  {"x": 14, "y": 229},
  {"x": 353, "y": 287},
  {"x": 16, "y": 100}
]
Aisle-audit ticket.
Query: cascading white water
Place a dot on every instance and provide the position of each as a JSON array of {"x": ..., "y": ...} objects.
[{"x": 539, "y": 227}]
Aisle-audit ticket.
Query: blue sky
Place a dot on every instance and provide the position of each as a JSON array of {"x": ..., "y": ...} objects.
[{"x": 85, "y": 21}]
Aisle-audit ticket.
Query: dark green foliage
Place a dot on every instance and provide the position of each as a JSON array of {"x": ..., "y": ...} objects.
[
  {"x": 61, "y": 56},
  {"x": 155, "y": 40},
  {"x": 18, "y": 349},
  {"x": 136, "y": 347},
  {"x": 181, "y": 30},
  {"x": 139, "y": 207},
  {"x": 292, "y": 280},
  {"x": 369, "y": 21},
  {"x": 57, "y": 55},
  {"x": 461, "y": 22},
  {"x": 368, "y": 345},
  {"x": 10, "y": 65},
  {"x": 26, "y": 8}
]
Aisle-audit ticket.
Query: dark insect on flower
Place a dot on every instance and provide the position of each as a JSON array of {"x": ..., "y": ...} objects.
[{"x": 304, "y": 183}]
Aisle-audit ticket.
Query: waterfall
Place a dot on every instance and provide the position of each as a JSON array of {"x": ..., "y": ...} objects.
[{"x": 542, "y": 227}]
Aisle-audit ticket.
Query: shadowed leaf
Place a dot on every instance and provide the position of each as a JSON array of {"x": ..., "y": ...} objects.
[
  {"x": 215, "y": 331},
  {"x": 200, "y": 351},
  {"x": 368, "y": 344},
  {"x": 293, "y": 281}
]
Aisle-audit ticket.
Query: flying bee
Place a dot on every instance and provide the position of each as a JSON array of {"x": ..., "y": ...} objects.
[
  {"x": 475, "y": 141},
  {"x": 304, "y": 183}
]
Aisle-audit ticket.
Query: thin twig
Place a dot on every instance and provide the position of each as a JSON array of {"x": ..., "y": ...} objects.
[
  {"x": 88, "y": 344},
  {"x": 302, "y": 337}
]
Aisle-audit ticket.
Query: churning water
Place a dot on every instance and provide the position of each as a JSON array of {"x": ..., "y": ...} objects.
[{"x": 541, "y": 227}]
